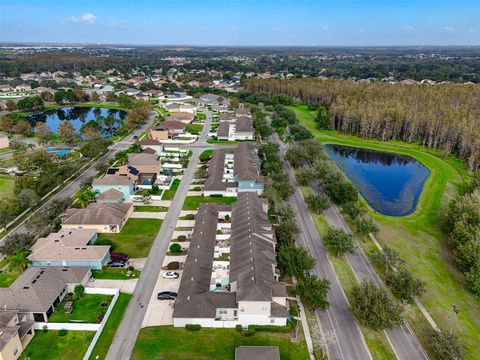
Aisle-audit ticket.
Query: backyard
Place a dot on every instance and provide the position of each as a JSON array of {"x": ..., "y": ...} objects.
[
  {"x": 166, "y": 342},
  {"x": 7, "y": 184},
  {"x": 89, "y": 309},
  {"x": 419, "y": 239},
  {"x": 135, "y": 239},
  {"x": 50, "y": 345},
  {"x": 109, "y": 273},
  {"x": 193, "y": 202}
]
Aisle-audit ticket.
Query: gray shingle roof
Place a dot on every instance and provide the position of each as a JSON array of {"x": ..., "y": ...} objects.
[
  {"x": 98, "y": 213},
  {"x": 247, "y": 163},
  {"x": 112, "y": 180}
]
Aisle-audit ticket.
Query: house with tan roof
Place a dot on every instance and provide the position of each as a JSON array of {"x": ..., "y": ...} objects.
[
  {"x": 70, "y": 247},
  {"x": 15, "y": 334},
  {"x": 239, "y": 128},
  {"x": 101, "y": 217},
  {"x": 37, "y": 292},
  {"x": 113, "y": 188},
  {"x": 167, "y": 130},
  {"x": 142, "y": 169},
  {"x": 183, "y": 116}
]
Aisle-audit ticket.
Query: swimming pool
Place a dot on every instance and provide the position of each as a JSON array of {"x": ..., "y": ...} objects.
[{"x": 58, "y": 152}]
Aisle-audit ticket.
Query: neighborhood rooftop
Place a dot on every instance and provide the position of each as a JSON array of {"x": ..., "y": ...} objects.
[{"x": 98, "y": 213}]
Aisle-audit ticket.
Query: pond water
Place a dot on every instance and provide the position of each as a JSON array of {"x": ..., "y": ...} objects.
[
  {"x": 390, "y": 183},
  {"x": 77, "y": 116}
]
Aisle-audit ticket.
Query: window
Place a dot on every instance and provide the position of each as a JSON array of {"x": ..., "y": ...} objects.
[
  {"x": 264, "y": 308},
  {"x": 242, "y": 309},
  {"x": 222, "y": 312},
  {"x": 272, "y": 321}
]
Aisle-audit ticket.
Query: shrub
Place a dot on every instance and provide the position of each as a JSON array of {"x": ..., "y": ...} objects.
[
  {"x": 197, "y": 188},
  {"x": 216, "y": 196},
  {"x": 193, "y": 327},
  {"x": 181, "y": 238},
  {"x": 250, "y": 330},
  {"x": 272, "y": 328},
  {"x": 62, "y": 332},
  {"x": 238, "y": 328},
  {"x": 190, "y": 217},
  {"x": 175, "y": 248},
  {"x": 79, "y": 291}
]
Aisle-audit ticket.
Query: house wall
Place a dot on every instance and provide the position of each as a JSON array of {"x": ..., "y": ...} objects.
[
  {"x": 212, "y": 323},
  {"x": 127, "y": 190},
  {"x": 4, "y": 143},
  {"x": 247, "y": 308},
  {"x": 229, "y": 192},
  {"x": 94, "y": 264},
  {"x": 12, "y": 350},
  {"x": 245, "y": 135}
]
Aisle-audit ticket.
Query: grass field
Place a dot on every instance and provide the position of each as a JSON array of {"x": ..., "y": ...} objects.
[
  {"x": 7, "y": 278},
  {"x": 193, "y": 202},
  {"x": 87, "y": 309},
  {"x": 169, "y": 194},
  {"x": 114, "y": 274},
  {"x": 49, "y": 345},
  {"x": 6, "y": 186},
  {"x": 419, "y": 239},
  {"x": 135, "y": 239},
  {"x": 166, "y": 342},
  {"x": 105, "y": 340},
  {"x": 146, "y": 208},
  {"x": 194, "y": 128}
]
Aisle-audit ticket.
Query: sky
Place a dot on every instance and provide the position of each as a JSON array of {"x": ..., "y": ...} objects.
[{"x": 243, "y": 22}]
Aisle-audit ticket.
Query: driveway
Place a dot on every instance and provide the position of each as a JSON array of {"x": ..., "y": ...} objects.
[
  {"x": 126, "y": 286},
  {"x": 160, "y": 312}
]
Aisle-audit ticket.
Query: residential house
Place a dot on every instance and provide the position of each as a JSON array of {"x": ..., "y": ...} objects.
[
  {"x": 243, "y": 112},
  {"x": 23, "y": 87},
  {"x": 240, "y": 128},
  {"x": 15, "y": 334},
  {"x": 70, "y": 247},
  {"x": 257, "y": 352},
  {"x": 167, "y": 130},
  {"x": 241, "y": 289},
  {"x": 102, "y": 217},
  {"x": 111, "y": 195},
  {"x": 185, "y": 117},
  {"x": 38, "y": 290},
  {"x": 142, "y": 169},
  {"x": 231, "y": 171},
  {"x": 121, "y": 184},
  {"x": 152, "y": 144},
  {"x": 4, "y": 142}
]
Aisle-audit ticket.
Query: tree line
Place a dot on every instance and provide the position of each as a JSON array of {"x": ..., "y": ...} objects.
[{"x": 444, "y": 117}]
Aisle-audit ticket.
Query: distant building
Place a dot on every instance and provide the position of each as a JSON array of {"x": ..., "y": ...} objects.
[
  {"x": 70, "y": 247},
  {"x": 167, "y": 130},
  {"x": 185, "y": 117},
  {"x": 101, "y": 217},
  {"x": 4, "y": 142},
  {"x": 240, "y": 128}
]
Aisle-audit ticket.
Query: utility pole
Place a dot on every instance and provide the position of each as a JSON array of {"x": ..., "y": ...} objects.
[{"x": 455, "y": 314}]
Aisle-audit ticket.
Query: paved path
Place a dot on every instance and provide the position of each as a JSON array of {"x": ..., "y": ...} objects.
[{"x": 126, "y": 335}]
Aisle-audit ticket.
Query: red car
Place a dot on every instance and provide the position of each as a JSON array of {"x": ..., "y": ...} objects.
[{"x": 119, "y": 256}]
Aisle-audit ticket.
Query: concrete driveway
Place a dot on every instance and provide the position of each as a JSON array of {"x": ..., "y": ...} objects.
[
  {"x": 126, "y": 286},
  {"x": 160, "y": 312}
]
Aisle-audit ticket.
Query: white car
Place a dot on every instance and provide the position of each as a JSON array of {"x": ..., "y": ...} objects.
[{"x": 171, "y": 275}]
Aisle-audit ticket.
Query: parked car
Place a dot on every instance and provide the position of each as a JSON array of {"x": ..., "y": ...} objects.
[
  {"x": 116, "y": 264},
  {"x": 137, "y": 199},
  {"x": 171, "y": 275},
  {"x": 167, "y": 295},
  {"x": 311, "y": 274},
  {"x": 119, "y": 256}
]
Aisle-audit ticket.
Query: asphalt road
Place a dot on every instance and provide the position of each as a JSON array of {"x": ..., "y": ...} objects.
[
  {"x": 343, "y": 338},
  {"x": 74, "y": 186},
  {"x": 126, "y": 335},
  {"x": 403, "y": 341}
]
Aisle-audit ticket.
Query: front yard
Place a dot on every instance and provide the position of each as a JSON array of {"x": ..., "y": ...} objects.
[
  {"x": 169, "y": 194},
  {"x": 50, "y": 345},
  {"x": 146, "y": 208},
  {"x": 193, "y": 202},
  {"x": 89, "y": 309},
  {"x": 135, "y": 239},
  {"x": 115, "y": 274},
  {"x": 166, "y": 342}
]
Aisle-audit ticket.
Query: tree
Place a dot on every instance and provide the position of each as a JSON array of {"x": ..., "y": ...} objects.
[
  {"x": 313, "y": 292},
  {"x": 91, "y": 134},
  {"x": 30, "y": 103},
  {"x": 22, "y": 127},
  {"x": 374, "y": 307},
  {"x": 234, "y": 103},
  {"x": 317, "y": 203},
  {"x": 387, "y": 259},
  {"x": 295, "y": 260},
  {"x": 446, "y": 346},
  {"x": 11, "y": 106},
  {"x": 16, "y": 242},
  {"x": 43, "y": 133},
  {"x": 27, "y": 198},
  {"x": 66, "y": 132},
  {"x": 7, "y": 124},
  {"x": 79, "y": 94},
  {"x": 79, "y": 291},
  {"x": 9, "y": 209},
  {"x": 125, "y": 101},
  {"x": 87, "y": 197},
  {"x": 323, "y": 119},
  {"x": 94, "y": 97},
  {"x": 338, "y": 242},
  {"x": 364, "y": 226},
  {"x": 205, "y": 156},
  {"x": 19, "y": 260},
  {"x": 136, "y": 117},
  {"x": 299, "y": 132},
  {"x": 305, "y": 175},
  {"x": 404, "y": 286}
]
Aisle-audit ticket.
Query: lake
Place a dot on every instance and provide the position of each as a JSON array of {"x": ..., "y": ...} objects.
[
  {"x": 390, "y": 183},
  {"x": 77, "y": 115}
]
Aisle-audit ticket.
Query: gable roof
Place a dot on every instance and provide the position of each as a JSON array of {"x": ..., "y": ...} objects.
[
  {"x": 247, "y": 163},
  {"x": 110, "y": 194},
  {"x": 170, "y": 125},
  {"x": 113, "y": 180},
  {"x": 142, "y": 159},
  {"x": 98, "y": 214}
]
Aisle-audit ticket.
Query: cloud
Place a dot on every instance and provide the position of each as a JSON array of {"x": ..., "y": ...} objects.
[
  {"x": 87, "y": 18},
  {"x": 449, "y": 28},
  {"x": 409, "y": 29}
]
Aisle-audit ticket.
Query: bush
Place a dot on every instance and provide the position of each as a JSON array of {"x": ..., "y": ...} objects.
[
  {"x": 250, "y": 330},
  {"x": 175, "y": 248},
  {"x": 62, "y": 332},
  {"x": 197, "y": 188},
  {"x": 193, "y": 327},
  {"x": 272, "y": 328},
  {"x": 79, "y": 291},
  {"x": 190, "y": 217},
  {"x": 238, "y": 328},
  {"x": 103, "y": 242},
  {"x": 216, "y": 196}
]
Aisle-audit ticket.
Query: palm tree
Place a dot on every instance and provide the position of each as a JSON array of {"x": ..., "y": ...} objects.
[
  {"x": 122, "y": 157},
  {"x": 19, "y": 260},
  {"x": 109, "y": 123},
  {"x": 87, "y": 196}
]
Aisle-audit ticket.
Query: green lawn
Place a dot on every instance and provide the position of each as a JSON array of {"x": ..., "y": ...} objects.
[
  {"x": 7, "y": 184},
  {"x": 135, "y": 239},
  {"x": 166, "y": 342},
  {"x": 105, "y": 339},
  {"x": 114, "y": 274},
  {"x": 146, "y": 208},
  {"x": 193, "y": 202},
  {"x": 194, "y": 128},
  {"x": 87, "y": 309},
  {"x": 169, "y": 194},
  {"x": 7, "y": 278},
  {"x": 419, "y": 239},
  {"x": 223, "y": 142},
  {"x": 49, "y": 345}
]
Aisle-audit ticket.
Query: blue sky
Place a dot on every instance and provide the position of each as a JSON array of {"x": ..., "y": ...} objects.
[{"x": 243, "y": 22}]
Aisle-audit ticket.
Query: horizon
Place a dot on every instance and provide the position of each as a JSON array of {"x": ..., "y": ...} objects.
[{"x": 268, "y": 23}]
